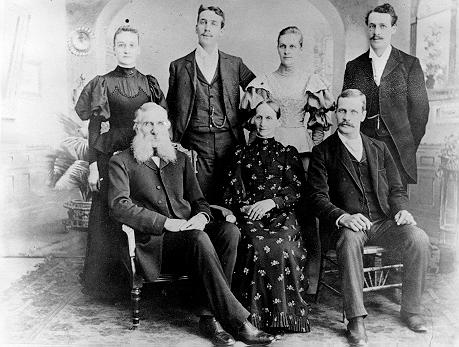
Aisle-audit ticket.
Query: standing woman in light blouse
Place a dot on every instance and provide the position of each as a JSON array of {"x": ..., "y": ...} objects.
[
  {"x": 109, "y": 102},
  {"x": 304, "y": 98}
]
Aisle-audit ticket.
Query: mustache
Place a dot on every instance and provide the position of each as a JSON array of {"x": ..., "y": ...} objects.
[
  {"x": 374, "y": 37},
  {"x": 344, "y": 123}
]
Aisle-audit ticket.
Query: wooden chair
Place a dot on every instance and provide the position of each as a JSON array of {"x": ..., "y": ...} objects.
[
  {"x": 376, "y": 275},
  {"x": 136, "y": 280}
]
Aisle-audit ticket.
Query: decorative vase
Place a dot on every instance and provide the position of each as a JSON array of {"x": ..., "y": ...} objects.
[{"x": 78, "y": 215}]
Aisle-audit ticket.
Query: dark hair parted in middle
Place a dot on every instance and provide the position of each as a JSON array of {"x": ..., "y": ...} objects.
[
  {"x": 385, "y": 8},
  {"x": 291, "y": 30},
  {"x": 217, "y": 10}
]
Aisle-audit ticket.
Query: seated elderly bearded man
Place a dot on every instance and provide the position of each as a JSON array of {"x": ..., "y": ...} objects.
[{"x": 153, "y": 189}]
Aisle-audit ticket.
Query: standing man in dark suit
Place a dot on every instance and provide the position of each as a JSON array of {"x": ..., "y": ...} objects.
[
  {"x": 203, "y": 101},
  {"x": 356, "y": 191},
  {"x": 393, "y": 82},
  {"x": 153, "y": 189}
]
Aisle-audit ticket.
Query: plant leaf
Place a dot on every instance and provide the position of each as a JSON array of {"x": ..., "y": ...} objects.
[{"x": 76, "y": 176}]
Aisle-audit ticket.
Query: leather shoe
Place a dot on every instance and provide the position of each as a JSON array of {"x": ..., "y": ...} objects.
[
  {"x": 413, "y": 321},
  {"x": 356, "y": 333},
  {"x": 211, "y": 328},
  {"x": 250, "y": 335}
]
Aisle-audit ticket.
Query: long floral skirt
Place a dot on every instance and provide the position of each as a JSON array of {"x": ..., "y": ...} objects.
[{"x": 269, "y": 277}]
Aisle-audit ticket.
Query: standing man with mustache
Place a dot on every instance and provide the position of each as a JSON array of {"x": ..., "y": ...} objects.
[
  {"x": 356, "y": 191},
  {"x": 203, "y": 101},
  {"x": 393, "y": 82}
]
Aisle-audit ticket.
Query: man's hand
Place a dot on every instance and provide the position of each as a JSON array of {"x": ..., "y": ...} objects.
[
  {"x": 104, "y": 127},
  {"x": 355, "y": 222},
  {"x": 93, "y": 177},
  {"x": 258, "y": 209},
  {"x": 174, "y": 224},
  {"x": 197, "y": 222},
  {"x": 403, "y": 217}
]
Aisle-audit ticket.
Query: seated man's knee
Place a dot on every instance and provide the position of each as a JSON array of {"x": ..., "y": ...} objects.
[
  {"x": 200, "y": 238},
  {"x": 417, "y": 237},
  {"x": 350, "y": 239},
  {"x": 230, "y": 232}
]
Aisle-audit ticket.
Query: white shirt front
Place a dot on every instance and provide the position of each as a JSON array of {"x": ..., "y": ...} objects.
[
  {"x": 354, "y": 146},
  {"x": 207, "y": 62},
  {"x": 379, "y": 63},
  {"x": 156, "y": 160}
]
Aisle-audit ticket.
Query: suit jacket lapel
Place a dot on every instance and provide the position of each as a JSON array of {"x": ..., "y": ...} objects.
[
  {"x": 191, "y": 68},
  {"x": 367, "y": 67},
  {"x": 345, "y": 159},
  {"x": 392, "y": 63},
  {"x": 151, "y": 164},
  {"x": 225, "y": 77},
  {"x": 372, "y": 159}
]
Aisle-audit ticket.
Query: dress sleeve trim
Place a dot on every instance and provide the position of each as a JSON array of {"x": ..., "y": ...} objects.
[{"x": 93, "y": 100}]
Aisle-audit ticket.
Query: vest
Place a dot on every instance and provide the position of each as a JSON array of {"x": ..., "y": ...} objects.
[
  {"x": 208, "y": 112},
  {"x": 371, "y": 127},
  {"x": 369, "y": 204}
]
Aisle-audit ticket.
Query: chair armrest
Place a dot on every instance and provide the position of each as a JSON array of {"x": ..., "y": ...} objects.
[
  {"x": 131, "y": 239},
  {"x": 224, "y": 212}
]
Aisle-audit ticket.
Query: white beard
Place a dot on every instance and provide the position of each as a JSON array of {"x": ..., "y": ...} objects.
[{"x": 143, "y": 148}]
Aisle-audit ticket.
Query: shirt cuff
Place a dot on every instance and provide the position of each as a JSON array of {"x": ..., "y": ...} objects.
[
  {"x": 338, "y": 219},
  {"x": 205, "y": 215}
]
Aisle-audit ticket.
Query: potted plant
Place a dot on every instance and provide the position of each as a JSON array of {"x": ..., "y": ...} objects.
[{"x": 69, "y": 169}]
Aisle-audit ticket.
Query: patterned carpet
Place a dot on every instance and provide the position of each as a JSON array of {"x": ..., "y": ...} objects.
[{"x": 46, "y": 307}]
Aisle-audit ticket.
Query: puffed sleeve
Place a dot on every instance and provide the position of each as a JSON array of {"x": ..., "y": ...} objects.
[
  {"x": 157, "y": 94},
  {"x": 257, "y": 91},
  {"x": 93, "y": 105},
  {"x": 320, "y": 101},
  {"x": 93, "y": 100}
]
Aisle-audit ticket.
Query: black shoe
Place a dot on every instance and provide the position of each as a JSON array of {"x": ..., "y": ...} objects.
[
  {"x": 413, "y": 321},
  {"x": 250, "y": 335},
  {"x": 212, "y": 329},
  {"x": 356, "y": 333}
]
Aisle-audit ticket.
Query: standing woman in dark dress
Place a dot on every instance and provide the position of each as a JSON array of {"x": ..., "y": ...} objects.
[
  {"x": 266, "y": 179},
  {"x": 109, "y": 102}
]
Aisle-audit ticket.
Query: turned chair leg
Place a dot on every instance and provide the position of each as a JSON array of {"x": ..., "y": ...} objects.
[{"x": 135, "y": 304}]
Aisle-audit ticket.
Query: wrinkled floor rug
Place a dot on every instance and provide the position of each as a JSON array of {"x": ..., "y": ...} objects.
[{"x": 46, "y": 307}]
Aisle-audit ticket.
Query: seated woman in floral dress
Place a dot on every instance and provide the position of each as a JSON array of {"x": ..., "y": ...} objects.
[{"x": 266, "y": 180}]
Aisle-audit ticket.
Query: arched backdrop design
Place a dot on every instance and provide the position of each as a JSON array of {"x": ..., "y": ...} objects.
[{"x": 167, "y": 29}]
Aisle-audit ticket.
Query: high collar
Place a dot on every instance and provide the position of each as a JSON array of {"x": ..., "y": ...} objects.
[
  {"x": 126, "y": 71},
  {"x": 263, "y": 140}
]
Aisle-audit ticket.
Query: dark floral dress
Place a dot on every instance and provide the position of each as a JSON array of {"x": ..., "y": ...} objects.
[{"x": 269, "y": 277}]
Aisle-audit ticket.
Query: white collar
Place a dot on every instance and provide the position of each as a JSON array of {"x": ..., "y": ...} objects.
[
  {"x": 202, "y": 53},
  {"x": 354, "y": 146},
  {"x": 383, "y": 57}
]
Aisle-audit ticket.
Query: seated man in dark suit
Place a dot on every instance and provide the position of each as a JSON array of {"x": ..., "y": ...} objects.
[
  {"x": 354, "y": 187},
  {"x": 153, "y": 189}
]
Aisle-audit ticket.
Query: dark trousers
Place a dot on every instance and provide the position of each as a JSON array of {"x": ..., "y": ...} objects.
[
  {"x": 214, "y": 151},
  {"x": 209, "y": 256},
  {"x": 412, "y": 243}
]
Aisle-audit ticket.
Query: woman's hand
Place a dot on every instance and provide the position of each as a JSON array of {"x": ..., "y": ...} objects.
[
  {"x": 259, "y": 209},
  {"x": 93, "y": 177}
]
